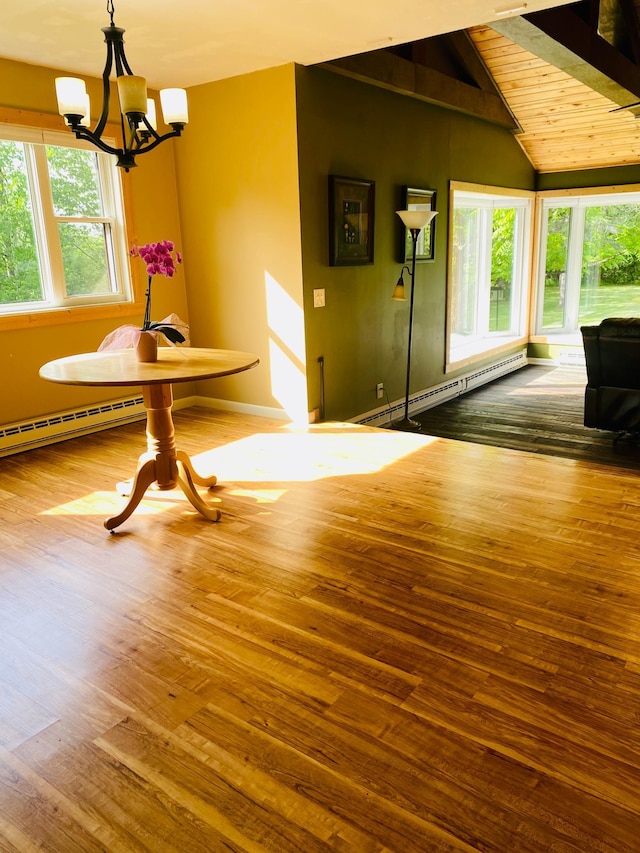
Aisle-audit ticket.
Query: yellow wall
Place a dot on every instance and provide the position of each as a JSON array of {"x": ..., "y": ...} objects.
[
  {"x": 154, "y": 217},
  {"x": 240, "y": 211}
]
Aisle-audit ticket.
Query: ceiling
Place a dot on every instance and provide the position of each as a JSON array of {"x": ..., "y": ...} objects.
[
  {"x": 555, "y": 78},
  {"x": 541, "y": 74},
  {"x": 565, "y": 124},
  {"x": 187, "y": 42}
]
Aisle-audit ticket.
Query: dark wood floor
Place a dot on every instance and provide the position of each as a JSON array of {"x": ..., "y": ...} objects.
[
  {"x": 538, "y": 409},
  {"x": 390, "y": 643}
]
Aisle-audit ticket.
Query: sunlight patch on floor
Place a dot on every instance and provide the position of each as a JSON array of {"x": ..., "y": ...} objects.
[
  {"x": 260, "y": 496},
  {"x": 293, "y": 454},
  {"x": 110, "y": 503},
  {"x": 314, "y": 453},
  {"x": 557, "y": 382},
  {"x": 548, "y": 390}
]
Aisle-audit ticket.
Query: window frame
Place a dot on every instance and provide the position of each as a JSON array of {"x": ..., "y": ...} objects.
[
  {"x": 44, "y": 128},
  {"x": 497, "y": 342},
  {"x": 584, "y": 197}
]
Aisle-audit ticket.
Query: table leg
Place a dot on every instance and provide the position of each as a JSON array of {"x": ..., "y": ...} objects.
[
  {"x": 145, "y": 476},
  {"x": 185, "y": 481},
  {"x": 162, "y": 464},
  {"x": 181, "y": 456}
]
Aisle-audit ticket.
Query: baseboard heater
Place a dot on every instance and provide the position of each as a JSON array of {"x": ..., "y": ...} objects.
[
  {"x": 446, "y": 391},
  {"x": 14, "y": 438}
]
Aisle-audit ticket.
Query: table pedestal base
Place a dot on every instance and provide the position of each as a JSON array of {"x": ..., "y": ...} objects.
[{"x": 162, "y": 465}]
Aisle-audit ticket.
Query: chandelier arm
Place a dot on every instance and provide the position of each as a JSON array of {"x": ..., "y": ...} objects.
[
  {"x": 90, "y": 136},
  {"x": 147, "y": 131},
  {"x": 106, "y": 89},
  {"x": 122, "y": 66},
  {"x": 177, "y": 131}
]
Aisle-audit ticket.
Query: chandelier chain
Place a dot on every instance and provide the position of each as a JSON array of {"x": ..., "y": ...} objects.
[{"x": 110, "y": 10}]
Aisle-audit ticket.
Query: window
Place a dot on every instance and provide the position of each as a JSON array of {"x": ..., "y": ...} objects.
[
  {"x": 589, "y": 261},
  {"x": 62, "y": 232},
  {"x": 488, "y": 278}
]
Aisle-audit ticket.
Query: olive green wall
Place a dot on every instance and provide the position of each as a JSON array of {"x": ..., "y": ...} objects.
[
  {"x": 350, "y": 128},
  {"x": 614, "y": 176},
  {"x": 552, "y": 351}
]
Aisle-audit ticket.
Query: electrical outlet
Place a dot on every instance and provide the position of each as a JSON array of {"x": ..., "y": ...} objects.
[
  {"x": 380, "y": 390},
  {"x": 318, "y": 298}
]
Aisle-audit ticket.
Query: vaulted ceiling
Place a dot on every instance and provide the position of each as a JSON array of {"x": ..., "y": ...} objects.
[
  {"x": 190, "y": 42},
  {"x": 555, "y": 78},
  {"x": 552, "y": 76}
]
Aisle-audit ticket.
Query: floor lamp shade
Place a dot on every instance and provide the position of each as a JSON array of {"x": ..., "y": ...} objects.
[{"x": 415, "y": 221}]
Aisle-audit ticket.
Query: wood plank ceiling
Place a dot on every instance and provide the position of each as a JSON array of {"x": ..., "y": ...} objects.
[
  {"x": 566, "y": 125},
  {"x": 553, "y": 78}
]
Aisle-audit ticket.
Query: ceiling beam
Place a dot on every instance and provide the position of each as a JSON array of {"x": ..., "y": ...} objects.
[
  {"x": 462, "y": 44},
  {"x": 568, "y": 42},
  {"x": 385, "y": 69},
  {"x": 630, "y": 19}
]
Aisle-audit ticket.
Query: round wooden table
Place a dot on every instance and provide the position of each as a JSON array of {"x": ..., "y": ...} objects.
[{"x": 162, "y": 464}]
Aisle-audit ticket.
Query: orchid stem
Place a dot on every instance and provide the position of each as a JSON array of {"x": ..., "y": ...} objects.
[{"x": 147, "y": 310}]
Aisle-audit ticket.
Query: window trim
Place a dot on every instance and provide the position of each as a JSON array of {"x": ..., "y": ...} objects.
[
  {"x": 562, "y": 337},
  {"x": 515, "y": 341},
  {"x": 41, "y": 123}
]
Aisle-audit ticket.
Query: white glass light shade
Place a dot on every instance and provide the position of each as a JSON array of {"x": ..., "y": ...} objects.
[
  {"x": 132, "y": 91},
  {"x": 85, "y": 121},
  {"x": 174, "y": 106},
  {"x": 72, "y": 96},
  {"x": 416, "y": 218},
  {"x": 151, "y": 113}
]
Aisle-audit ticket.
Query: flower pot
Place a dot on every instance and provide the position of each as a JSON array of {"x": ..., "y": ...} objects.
[{"x": 147, "y": 347}]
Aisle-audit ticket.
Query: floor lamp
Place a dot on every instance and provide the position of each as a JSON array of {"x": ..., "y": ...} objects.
[{"x": 415, "y": 221}]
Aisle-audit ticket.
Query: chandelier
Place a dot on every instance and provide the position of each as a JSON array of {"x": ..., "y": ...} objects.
[{"x": 138, "y": 113}]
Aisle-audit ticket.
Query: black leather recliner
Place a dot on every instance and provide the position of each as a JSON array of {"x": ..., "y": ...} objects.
[{"x": 612, "y": 395}]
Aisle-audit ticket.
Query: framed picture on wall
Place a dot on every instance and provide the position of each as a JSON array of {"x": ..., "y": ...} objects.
[
  {"x": 351, "y": 221},
  {"x": 417, "y": 199}
]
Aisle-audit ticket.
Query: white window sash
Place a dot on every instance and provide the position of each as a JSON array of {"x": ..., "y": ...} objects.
[{"x": 46, "y": 223}]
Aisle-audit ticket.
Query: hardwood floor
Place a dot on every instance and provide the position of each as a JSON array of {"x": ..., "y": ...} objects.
[
  {"x": 539, "y": 409},
  {"x": 390, "y": 642}
]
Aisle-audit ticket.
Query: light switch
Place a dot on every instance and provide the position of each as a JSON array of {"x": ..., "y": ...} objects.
[{"x": 318, "y": 298}]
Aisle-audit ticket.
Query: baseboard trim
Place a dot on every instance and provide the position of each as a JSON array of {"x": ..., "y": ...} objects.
[
  {"x": 60, "y": 426},
  {"x": 17, "y": 437},
  {"x": 430, "y": 397},
  {"x": 232, "y": 406}
]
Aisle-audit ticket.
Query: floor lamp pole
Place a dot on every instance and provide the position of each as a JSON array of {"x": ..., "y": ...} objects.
[
  {"x": 407, "y": 422},
  {"x": 414, "y": 221}
]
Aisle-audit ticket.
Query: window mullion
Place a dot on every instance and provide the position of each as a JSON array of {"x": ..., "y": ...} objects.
[
  {"x": 517, "y": 306},
  {"x": 484, "y": 278},
  {"x": 40, "y": 232},
  {"x": 521, "y": 319},
  {"x": 111, "y": 190},
  {"x": 543, "y": 220},
  {"x": 49, "y": 241},
  {"x": 574, "y": 267}
]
